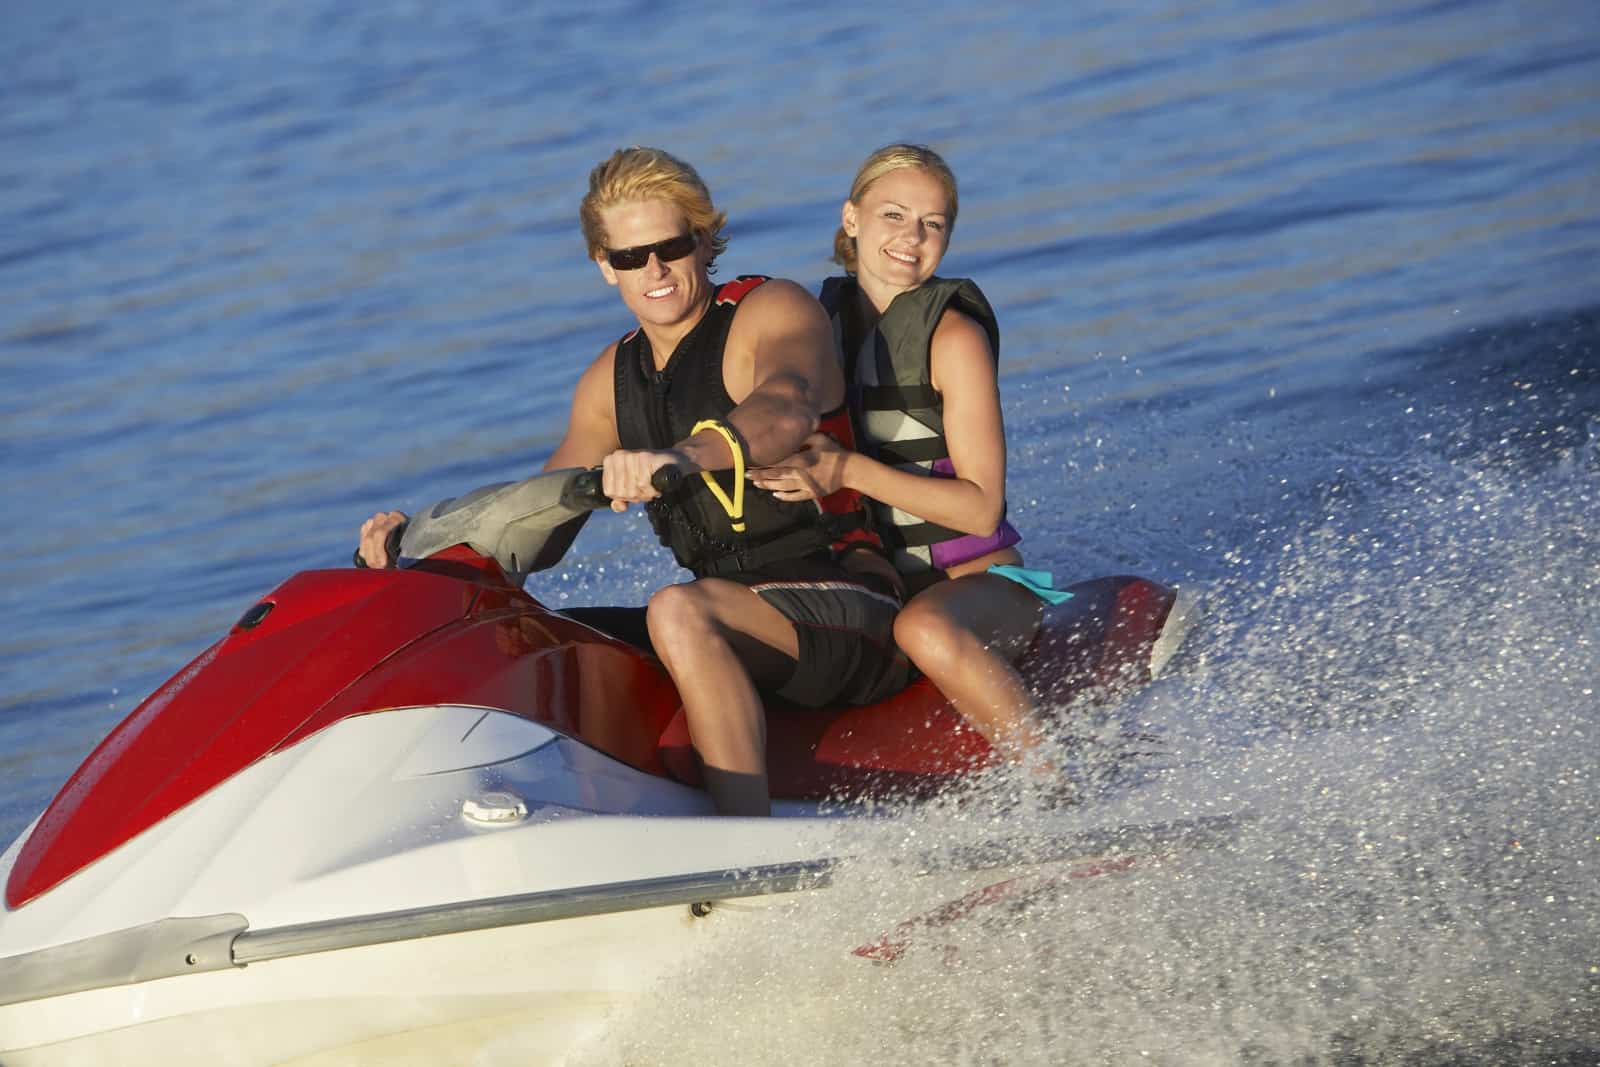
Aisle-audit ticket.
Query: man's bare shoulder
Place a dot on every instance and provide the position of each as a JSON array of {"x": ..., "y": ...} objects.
[
  {"x": 597, "y": 376},
  {"x": 600, "y": 367},
  {"x": 591, "y": 430},
  {"x": 782, "y": 332},
  {"x": 776, "y": 304},
  {"x": 595, "y": 394}
]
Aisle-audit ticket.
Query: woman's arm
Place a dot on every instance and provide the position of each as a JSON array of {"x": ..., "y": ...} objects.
[{"x": 963, "y": 369}]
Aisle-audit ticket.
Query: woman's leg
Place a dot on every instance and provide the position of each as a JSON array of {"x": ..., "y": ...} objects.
[{"x": 963, "y": 634}]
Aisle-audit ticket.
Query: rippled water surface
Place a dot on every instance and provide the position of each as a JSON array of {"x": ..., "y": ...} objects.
[{"x": 1299, "y": 301}]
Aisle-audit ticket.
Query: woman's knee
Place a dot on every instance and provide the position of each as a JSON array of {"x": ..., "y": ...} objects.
[{"x": 928, "y": 634}]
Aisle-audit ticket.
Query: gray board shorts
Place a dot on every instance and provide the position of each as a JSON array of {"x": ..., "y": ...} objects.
[{"x": 844, "y": 626}]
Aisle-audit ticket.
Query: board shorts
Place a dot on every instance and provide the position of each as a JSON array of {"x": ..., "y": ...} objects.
[{"x": 843, "y": 622}]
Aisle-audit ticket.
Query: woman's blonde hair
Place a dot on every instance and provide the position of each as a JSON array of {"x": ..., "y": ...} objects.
[
  {"x": 636, "y": 174},
  {"x": 890, "y": 158}
]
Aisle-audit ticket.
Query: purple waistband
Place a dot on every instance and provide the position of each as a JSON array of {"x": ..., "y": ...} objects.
[
  {"x": 947, "y": 554},
  {"x": 958, "y": 550}
]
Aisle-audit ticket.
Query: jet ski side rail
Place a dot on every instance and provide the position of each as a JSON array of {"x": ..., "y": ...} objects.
[
  {"x": 705, "y": 888},
  {"x": 192, "y": 945},
  {"x": 548, "y": 906}
]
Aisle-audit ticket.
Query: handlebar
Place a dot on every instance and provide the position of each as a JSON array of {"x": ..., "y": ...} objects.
[
  {"x": 584, "y": 490},
  {"x": 579, "y": 494}
]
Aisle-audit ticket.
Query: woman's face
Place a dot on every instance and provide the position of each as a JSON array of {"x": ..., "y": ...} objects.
[{"x": 901, "y": 227}]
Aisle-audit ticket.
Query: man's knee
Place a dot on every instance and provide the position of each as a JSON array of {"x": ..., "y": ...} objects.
[{"x": 677, "y": 617}]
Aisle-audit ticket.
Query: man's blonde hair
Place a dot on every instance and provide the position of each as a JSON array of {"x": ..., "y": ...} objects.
[
  {"x": 636, "y": 174},
  {"x": 890, "y": 158}
]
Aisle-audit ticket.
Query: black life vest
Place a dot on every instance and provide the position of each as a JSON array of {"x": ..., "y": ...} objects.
[
  {"x": 657, "y": 409},
  {"x": 899, "y": 415}
]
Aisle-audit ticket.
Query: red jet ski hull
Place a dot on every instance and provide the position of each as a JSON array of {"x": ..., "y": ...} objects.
[{"x": 328, "y": 645}]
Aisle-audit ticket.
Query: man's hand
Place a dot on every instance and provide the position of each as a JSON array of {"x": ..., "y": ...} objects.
[
  {"x": 816, "y": 471},
  {"x": 626, "y": 475},
  {"x": 375, "y": 536}
]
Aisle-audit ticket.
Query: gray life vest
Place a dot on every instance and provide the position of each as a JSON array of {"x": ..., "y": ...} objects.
[{"x": 899, "y": 415}]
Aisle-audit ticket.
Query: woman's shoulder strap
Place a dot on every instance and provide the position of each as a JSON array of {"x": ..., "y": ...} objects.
[
  {"x": 964, "y": 295},
  {"x": 834, "y": 291}
]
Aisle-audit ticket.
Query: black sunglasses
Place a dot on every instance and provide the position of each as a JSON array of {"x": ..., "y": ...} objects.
[{"x": 666, "y": 251}]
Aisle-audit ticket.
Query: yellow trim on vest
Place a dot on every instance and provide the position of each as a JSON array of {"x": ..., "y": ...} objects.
[{"x": 734, "y": 507}]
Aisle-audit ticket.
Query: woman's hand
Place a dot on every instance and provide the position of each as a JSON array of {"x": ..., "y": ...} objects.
[{"x": 816, "y": 471}]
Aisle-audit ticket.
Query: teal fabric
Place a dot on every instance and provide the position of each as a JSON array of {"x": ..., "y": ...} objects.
[{"x": 1040, "y": 583}]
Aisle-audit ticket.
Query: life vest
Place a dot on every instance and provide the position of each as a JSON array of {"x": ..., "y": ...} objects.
[
  {"x": 657, "y": 409},
  {"x": 900, "y": 415}
]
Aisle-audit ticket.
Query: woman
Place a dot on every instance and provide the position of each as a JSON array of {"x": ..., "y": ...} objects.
[{"x": 920, "y": 358}]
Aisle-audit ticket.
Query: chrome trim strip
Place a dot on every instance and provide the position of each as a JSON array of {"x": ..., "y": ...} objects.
[
  {"x": 160, "y": 949},
  {"x": 258, "y": 946},
  {"x": 191, "y": 945}
]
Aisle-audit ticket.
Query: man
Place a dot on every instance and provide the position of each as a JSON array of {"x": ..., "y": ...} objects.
[{"x": 714, "y": 380}]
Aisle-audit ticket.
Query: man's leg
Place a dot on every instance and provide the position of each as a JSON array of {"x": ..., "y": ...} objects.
[{"x": 719, "y": 640}]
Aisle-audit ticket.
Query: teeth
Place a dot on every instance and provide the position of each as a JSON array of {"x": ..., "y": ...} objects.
[
  {"x": 663, "y": 291},
  {"x": 901, "y": 256}
]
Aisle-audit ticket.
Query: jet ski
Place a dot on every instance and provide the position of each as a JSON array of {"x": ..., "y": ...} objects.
[{"x": 390, "y": 805}]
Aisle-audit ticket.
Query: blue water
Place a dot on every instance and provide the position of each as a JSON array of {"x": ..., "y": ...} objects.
[{"x": 1299, "y": 302}]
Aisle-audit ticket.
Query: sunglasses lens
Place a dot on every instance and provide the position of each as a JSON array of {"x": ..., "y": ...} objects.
[
  {"x": 666, "y": 251},
  {"x": 675, "y": 247}
]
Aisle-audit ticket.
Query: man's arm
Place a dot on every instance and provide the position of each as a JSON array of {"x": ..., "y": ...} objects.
[
  {"x": 780, "y": 369},
  {"x": 591, "y": 434},
  {"x": 592, "y": 422}
]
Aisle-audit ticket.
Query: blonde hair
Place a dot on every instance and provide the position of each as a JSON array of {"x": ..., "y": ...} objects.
[
  {"x": 885, "y": 160},
  {"x": 635, "y": 174}
]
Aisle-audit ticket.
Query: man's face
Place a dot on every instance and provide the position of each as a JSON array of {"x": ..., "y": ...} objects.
[{"x": 659, "y": 294}]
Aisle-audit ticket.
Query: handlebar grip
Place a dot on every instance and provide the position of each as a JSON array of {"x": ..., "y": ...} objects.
[
  {"x": 391, "y": 545},
  {"x": 584, "y": 491},
  {"x": 667, "y": 480}
]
